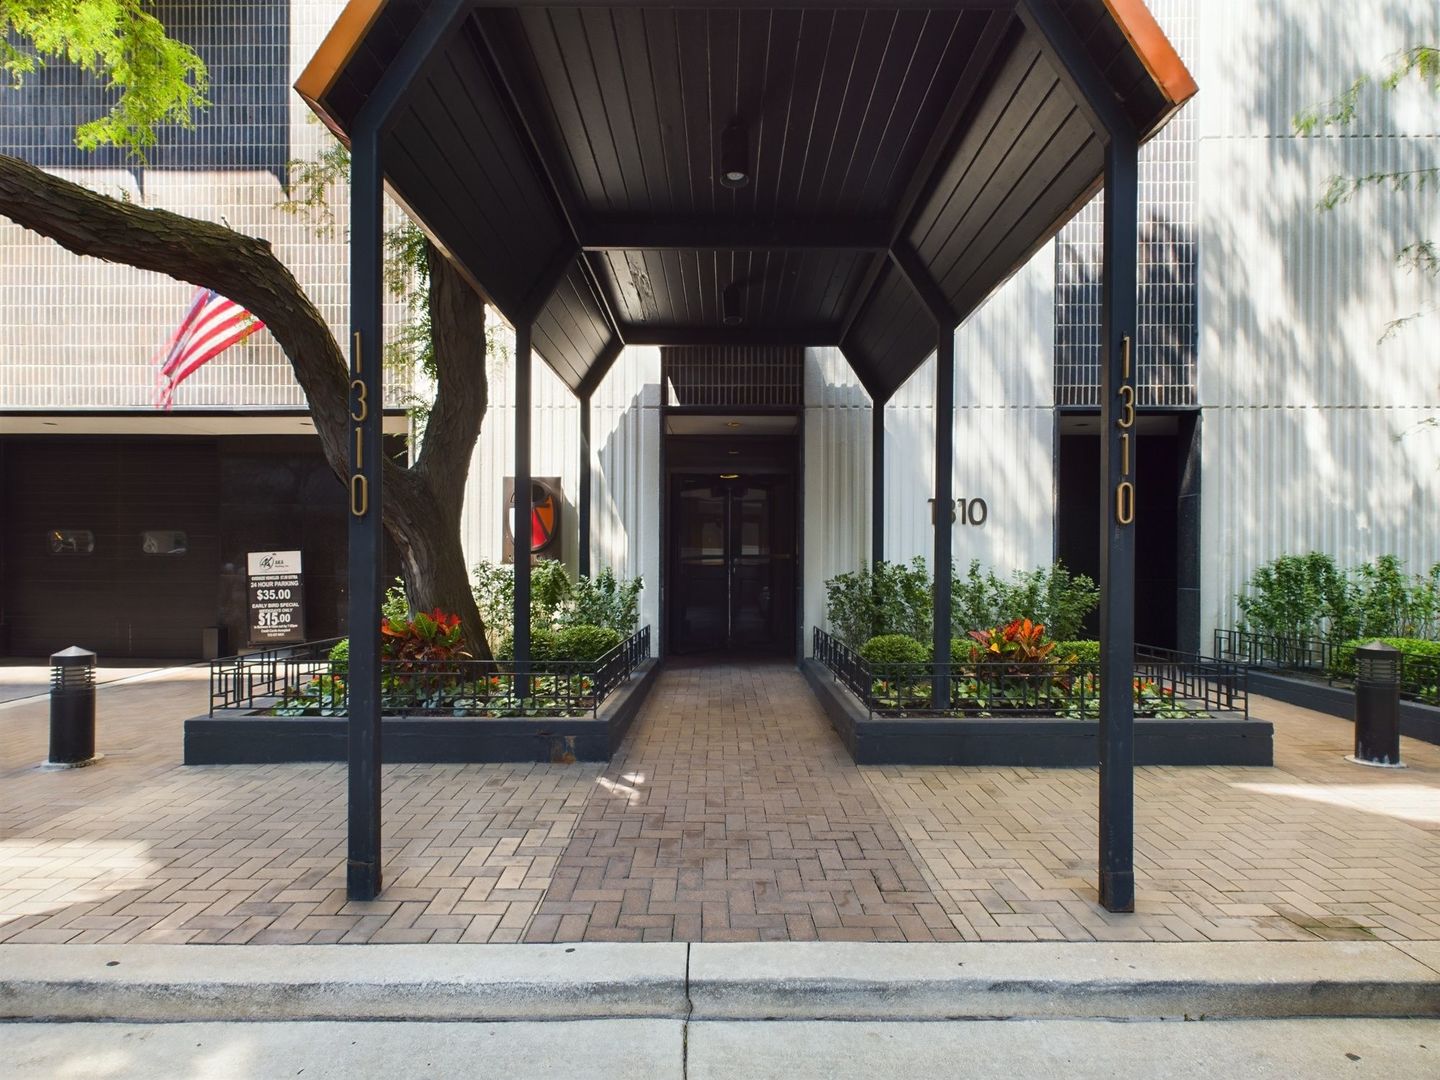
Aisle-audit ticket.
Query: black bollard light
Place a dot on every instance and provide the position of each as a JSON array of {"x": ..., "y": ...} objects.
[
  {"x": 1377, "y": 706},
  {"x": 72, "y": 708}
]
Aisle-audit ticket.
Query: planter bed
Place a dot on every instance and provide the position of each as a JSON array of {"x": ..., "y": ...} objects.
[
  {"x": 255, "y": 738},
  {"x": 1039, "y": 741}
]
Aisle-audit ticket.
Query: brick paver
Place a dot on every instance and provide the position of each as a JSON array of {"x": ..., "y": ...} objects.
[
  {"x": 1312, "y": 848},
  {"x": 731, "y": 813},
  {"x": 139, "y": 848},
  {"x": 734, "y": 814}
]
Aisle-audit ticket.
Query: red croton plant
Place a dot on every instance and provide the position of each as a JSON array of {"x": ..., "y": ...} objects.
[
  {"x": 1021, "y": 642},
  {"x": 432, "y": 636}
]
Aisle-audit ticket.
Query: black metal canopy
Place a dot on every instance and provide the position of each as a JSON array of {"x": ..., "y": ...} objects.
[{"x": 903, "y": 159}]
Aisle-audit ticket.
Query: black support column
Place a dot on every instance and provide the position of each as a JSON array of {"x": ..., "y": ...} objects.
[
  {"x": 367, "y": 400},
  {"x": 583, "y": 556},
  {"x": 523, "y": 499},
  {"x": 366, "y": 534},
  {"x": 1118, "y": 447},
  {"x": 877, "y": 481},
  {"x": 943, "y": 507}
]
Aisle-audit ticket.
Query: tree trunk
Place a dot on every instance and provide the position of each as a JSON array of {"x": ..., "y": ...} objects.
[{"x": 422, "y": 505}]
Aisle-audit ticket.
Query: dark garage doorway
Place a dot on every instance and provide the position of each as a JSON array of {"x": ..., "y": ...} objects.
[{"x": 1167, "y": 530}]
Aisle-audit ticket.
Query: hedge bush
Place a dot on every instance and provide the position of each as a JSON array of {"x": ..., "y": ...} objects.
[
  {"x": 578, "y": 644},
  {"x": 891, "y": 650},
  {"x": 1342, "y": 658},
  {"x": 1084, "y": 652},
  {"x": 585, "y": 644},
  {"x": 542, "y": 646}
]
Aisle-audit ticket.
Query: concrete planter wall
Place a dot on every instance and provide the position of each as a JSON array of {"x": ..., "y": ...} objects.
[
  {"x": 1418, "y": 721},
  {"x": 1037, "y": 742},
  {"x": 253, "y": 739}
]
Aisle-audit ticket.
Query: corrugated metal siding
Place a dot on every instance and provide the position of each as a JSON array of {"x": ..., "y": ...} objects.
[
  {"x": 625, "y": 457},
  {"x": 1261, "y": 63},
  {"x": 79, "y": 333},
  {"x": 554, "y": 451},
  {"x": 1315, "y": 433},
  {"x": 625, "y": 441},
  {"x": 1353, "y": 482},
  {"x": 837, "y": 476},
  {"x": 1004, "y": 438}
]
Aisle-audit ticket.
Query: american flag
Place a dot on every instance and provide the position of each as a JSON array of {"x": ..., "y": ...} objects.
[{"x": 211, "y": 325}]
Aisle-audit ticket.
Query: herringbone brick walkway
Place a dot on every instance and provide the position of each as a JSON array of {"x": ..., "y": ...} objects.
[
  {"x": 731, "y": 813},
  {"x": 734, "y": 814}
]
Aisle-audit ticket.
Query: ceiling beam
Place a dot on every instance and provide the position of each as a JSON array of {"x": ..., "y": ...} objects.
[
  {"x": 989, "y": 53},
  {"x": 711, "y": 234},
  {"x": 549, "y": 280},
  {"x": 918, "y": 275},
  {"x": 821, "y": 334},
  {"x": 1092, "y": 92},
  {"x": 598, "y": 370}
]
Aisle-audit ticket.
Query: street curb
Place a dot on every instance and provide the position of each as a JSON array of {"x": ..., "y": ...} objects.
[
  {"x": 992, "y": 980},
  {"x": 781, "y": 981},
  {"x": 341, "y": 982}
]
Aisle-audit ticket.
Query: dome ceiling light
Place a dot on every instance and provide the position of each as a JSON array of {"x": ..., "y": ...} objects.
[{"x": 734, "y": 155}]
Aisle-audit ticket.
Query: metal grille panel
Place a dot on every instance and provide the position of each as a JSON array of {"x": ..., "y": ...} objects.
[
  {"x": 747, "y": 376},
  {"x": 1167, "y": 335}
]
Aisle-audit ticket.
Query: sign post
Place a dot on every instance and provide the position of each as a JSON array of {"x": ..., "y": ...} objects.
[{"x": 277, "y": 597}]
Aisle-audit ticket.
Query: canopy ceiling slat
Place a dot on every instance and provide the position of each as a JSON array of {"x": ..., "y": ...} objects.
[{"x": 941, "y": 131}]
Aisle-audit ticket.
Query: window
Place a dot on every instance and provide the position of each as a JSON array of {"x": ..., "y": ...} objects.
[
  {"x": 164, "y": 542},
  {"x": 72, "y": 541}
]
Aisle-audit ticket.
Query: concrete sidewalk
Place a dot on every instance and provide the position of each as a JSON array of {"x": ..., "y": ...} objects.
[
  {"x": 675, "y": 1050},
  {"x": 871, "y": 982}
]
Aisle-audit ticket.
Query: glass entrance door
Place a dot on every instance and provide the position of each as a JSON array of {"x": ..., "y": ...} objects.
[{"x": 732, "y": 570}]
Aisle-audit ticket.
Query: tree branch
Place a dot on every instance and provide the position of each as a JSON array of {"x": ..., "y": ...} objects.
[
  {"x": 239, "y": 267},
  {"x": 457, "y": 328}
]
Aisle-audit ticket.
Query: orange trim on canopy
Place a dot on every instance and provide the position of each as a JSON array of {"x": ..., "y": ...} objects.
[
  {"x": 1154, "y": 49},
  {"x": 334, "y": 53}
]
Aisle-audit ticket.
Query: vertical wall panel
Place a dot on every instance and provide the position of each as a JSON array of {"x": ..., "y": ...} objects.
[
  {"x": 1004, "y": 433},
  {"x": 555, "y": 451},
  {"x": 624, "y": 454},
  {"x": 1315, "y": 434},
  {"x": 837, "y": 477}
]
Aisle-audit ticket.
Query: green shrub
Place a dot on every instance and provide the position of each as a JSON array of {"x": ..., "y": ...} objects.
[
  {"x": 555, "y": 602},
  {"x": 1298, "y": 596},
  {"x": 395, "y": 606},
  {"x": 884, "y": 651},
  {"x": 604, "y": 600},
  {"x": 585, "y": 644},
  {"x": 542, "y": 646},
  {"x": 1083, "y": 652},
  {"x": 1053, "y": 597},
  {"x": 340, "y": 657},
  {"x": 879, "y": 600},
  {"x": 1308, "y": 596},
  {"x": 1342, "y": 657},
  {"x": 1387, "y": 602},
  {"x": 549, "y": 588}
]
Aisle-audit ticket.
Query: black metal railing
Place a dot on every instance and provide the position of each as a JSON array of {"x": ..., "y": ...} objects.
[
  {"x": 1167, "y": 684},
  {"x": 1273, "y": 651},
  {"x": 308, "y": 683},
  {"x": 236, "y": 681},
  {"x": 1333, "y": 661}
]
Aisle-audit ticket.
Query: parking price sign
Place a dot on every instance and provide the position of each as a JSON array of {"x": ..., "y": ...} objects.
[{"x": 277, "y": 597}]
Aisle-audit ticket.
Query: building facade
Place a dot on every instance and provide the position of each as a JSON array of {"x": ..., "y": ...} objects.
[{"x": 1272, "y": 417}]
